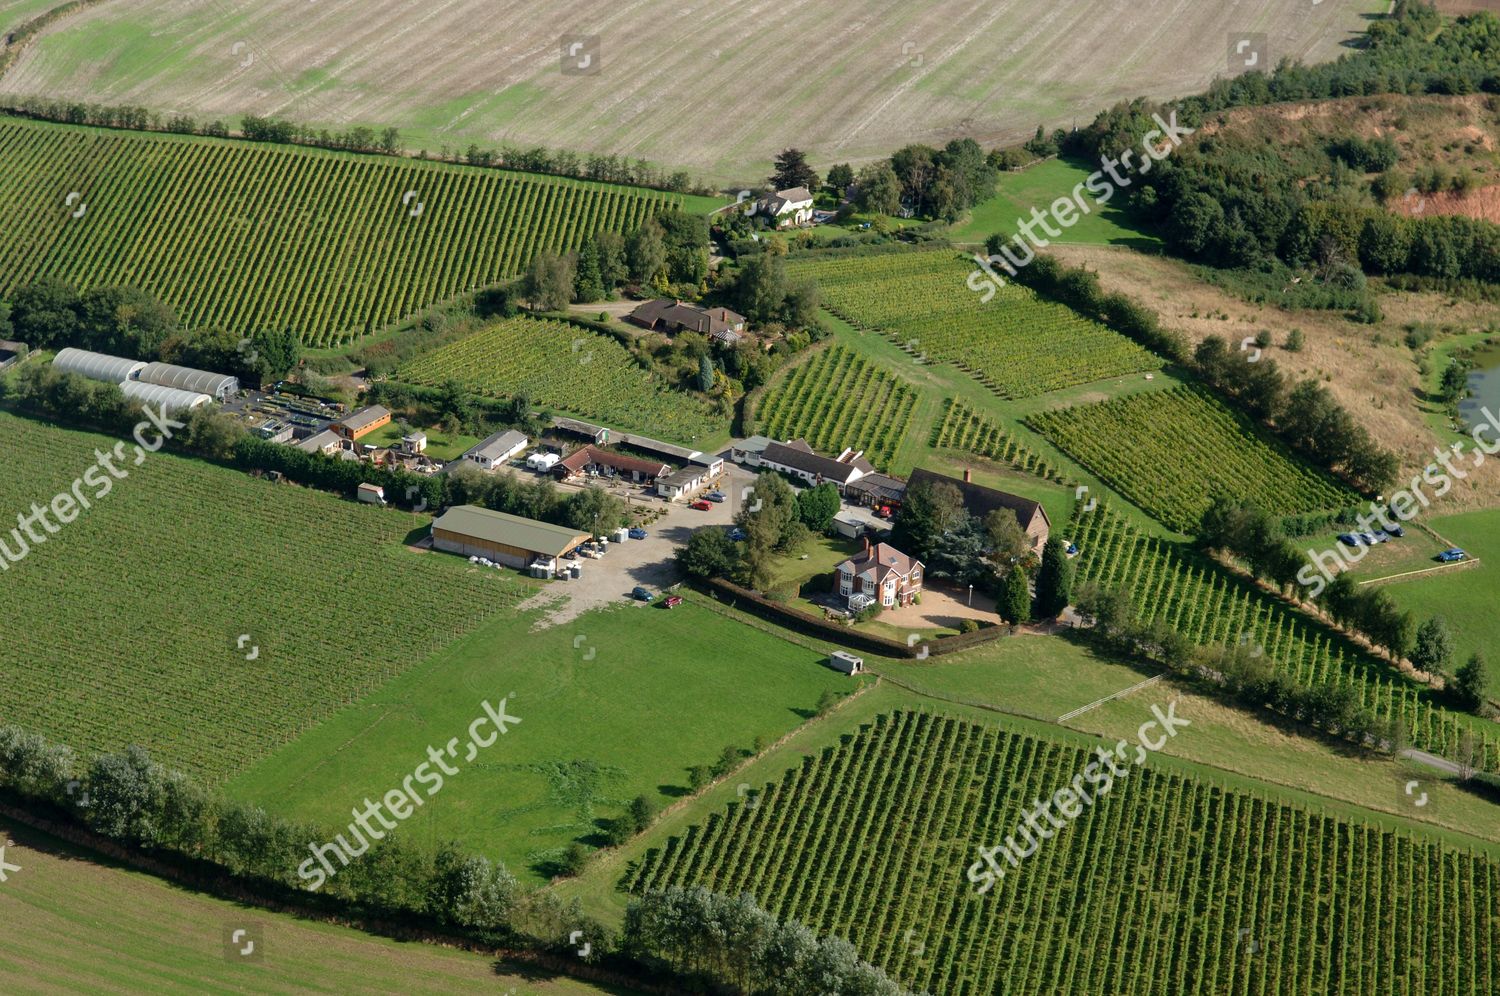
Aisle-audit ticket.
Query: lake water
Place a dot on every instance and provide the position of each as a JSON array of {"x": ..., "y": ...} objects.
[{"x": 1484, "y": 386}]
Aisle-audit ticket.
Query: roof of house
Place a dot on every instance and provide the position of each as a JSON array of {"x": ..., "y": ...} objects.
[
  {"x": 682, "y": 478},
  {"x": 754, "y": 444},
  {"x": 882, "y": 486},
  {"x": 781, "y": 200},
  {"x": 499, "y": 445},
  {"x": 319, "y": 441},
  {"x": 981, "y": 501},
  {"x": 585, "y": 455},
  {"x": 366, "y": 417},
  {"x": 797, "y": 455},
  {"x": 649, "y": 445},
  {"x": 503, "y": 529},
  {"x": 678, "y": 315},
  {"x": 879, "y": 562}
]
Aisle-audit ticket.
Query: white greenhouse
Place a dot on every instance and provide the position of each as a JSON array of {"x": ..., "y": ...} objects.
[
  {"x": 219, "y": 386},
  {"x": 169, "y": 399},
  {"x": 97, "y": 366}
]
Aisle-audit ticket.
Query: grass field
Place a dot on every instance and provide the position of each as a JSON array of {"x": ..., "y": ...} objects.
[
  {"x": 1037, "y": 187},
  {"x": 619, "y": 703},
  {"x": 1171, "y": 452},
  {"x": 459, "y": 73},
  {"x": 142, "y": 602},
  {"x": 246, "y": 235},
  {"x": 568, "y": 368},
  {"x": 871, "y": 840},
  {"x": 1214, "y": 608},
  {"x": 74, "y": 924},
  {"x": 839, "y": 399},
  {"x": 1017, "y": 344},
  {"x": 14, "y": 13}
]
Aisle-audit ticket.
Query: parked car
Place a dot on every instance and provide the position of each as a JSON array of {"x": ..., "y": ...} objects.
[
  {"x": 716, "y": 496},
  {"x": 883, "y": 512},
  {"x": 1395, "y": 531},
  {"x": 636, "y": 532},
  {"x": 701, "y": 505},
  {"x": 1452, "y": 556},
  {"x": 673, "y": 601},
  {"x": 736, "y": 534},
  {"x": 641, "y": 594}
]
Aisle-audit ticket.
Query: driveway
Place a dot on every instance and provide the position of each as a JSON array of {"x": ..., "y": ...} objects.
[
  {"x": 942, "y": 606},
  {"x": 651, "y": 562}
]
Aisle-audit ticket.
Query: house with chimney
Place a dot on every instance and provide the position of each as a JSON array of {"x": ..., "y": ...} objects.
[
  {"x": 881, "y": 575},
  {"x": 797, "y": 459},
  {"x": 786, "y": 208},
  {"x": 669, "y": 316},
  {"x": 979, "y": 501}
]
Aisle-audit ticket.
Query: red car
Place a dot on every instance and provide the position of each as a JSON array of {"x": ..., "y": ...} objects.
[
  {"x": 701, "y": 505},
  {"x": 673, "y": 601}
]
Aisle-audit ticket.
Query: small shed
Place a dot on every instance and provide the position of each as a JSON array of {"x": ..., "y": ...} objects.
[
  {"x": 845, "y": 662},
  {"x": 372, "y": 494}
]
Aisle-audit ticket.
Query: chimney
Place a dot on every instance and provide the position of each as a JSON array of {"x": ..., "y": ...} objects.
[
  {"x": 968, "y": 476},
  {"x": 867, "y": 545}
]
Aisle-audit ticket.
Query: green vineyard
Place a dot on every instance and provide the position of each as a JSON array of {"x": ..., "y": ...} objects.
[
  {"x": 968, "y": 431},
  {"x": 1017, "y": 345},
  {"x": 1214, "y": 608},
  {"x": 1171, "y": 451},
  {"x": 247, "y": 236},
  {"x": 146, "y": 647},
  {"x": 839, "y": 399},
  {"x": 568, "y": 368},
  {"x": 1167, "y": 884}
]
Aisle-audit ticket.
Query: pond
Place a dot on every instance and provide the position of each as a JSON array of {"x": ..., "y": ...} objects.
[{"x": 1484, "y": 385}]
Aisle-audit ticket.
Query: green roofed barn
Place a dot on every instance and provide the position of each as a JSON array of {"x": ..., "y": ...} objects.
[{"x": 506, "y": 539}]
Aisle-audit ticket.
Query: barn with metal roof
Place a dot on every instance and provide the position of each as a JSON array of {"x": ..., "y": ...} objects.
[
  {"x": 169, "y": 399},
  {"x": 97, "y": 366},
  {"x": 219, "y": 386}
]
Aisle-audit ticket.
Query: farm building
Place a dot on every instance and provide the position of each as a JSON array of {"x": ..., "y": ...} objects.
[
  {"x": 498, "y": 450},
  {"x": 786, "y": 207},
  {"x": 882, "y": 574},
  {"x": 11, "y": 352},
  {"x": 596, "y": 434},
  {"x": 506, "y": 539},
  {"x": 799, "y": 460},
  {"x": 167, "y": 399},
  {"x": 719, "y": 324},
  {"x": 325, "y": 442},
  {"x": 980, "y": 501},
  {"x": 596, "y": 461},
  {"x": 97, "y": 366},
  {"x": 220, "y": 387},
  {"x": 877, "y": 490},
  {"x": 414, "y": 443},
  {"x": 363, "y": 422},
  {"x": 747, "y": 452},
  {"x": 845, "y": 662},
  {"x": 680, "y": 485}
]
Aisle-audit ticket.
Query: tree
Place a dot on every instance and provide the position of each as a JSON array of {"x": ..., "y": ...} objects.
[
  {"x": 816, "y": 506},
  {"x": 1015, "y": 603},
  {"x": 878, "y": 189},
  {"x": 1008, "y": 543},
  {"x": 548, "y": 283},
  {"x": 125, "y": 792},
  {"x": 44, "y": 313},
  {"x": 709, "y": 553},
  {"x": 792, "y": 170},
  {"x": 1469, "y": 684},
  {"x": 469, "y": 891},
  {"x": 614, "y": 267},
  {"x": 930, "y": 509},
  {"x": 1054, "y": 581},
  {"x": 839, "y": 178},
  {"x": 277, "y": 352},
  {"x": 588, "y": 281},
  {"x": 1455, "y": 382},
  {"x": 1433, "y": 651},
  {"x": 771, "y": 525},
  {"x": 705, "y": 373},
  {"x": 761, "y": 288},
  {"x": 646, "y": 251},
  {"x": 594, "y": 510}
]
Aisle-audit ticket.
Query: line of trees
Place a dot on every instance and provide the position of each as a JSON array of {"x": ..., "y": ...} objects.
[{"x": 933, "y": 183}]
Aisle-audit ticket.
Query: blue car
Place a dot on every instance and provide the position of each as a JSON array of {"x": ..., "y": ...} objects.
[
  {"x": 636, "y": 532},
  {"x": 641, "y": 594},
  {"x": 736, "y": 534},
  {"x": 716, "y": 496},
  {"x": 1452, "y": 556}
]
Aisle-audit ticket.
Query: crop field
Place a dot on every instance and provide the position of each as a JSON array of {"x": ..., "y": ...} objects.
[
  {"x": 871, "y": 840},
  {"x": 1213, "y": 608},
  {"x": 246, "y": 236},
  {"x": 570, "y": 368},
  {"x": 840, "y": 399},
  {"x": 1170, "y": 452},
  {"x": 463, "y": 71},
  {"x": 969, "y": 431},
  {"x": 144, "y": 600},
  {"x": 1017, "y": 345}
]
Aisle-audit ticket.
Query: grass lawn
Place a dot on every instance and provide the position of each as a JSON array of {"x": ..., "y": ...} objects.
[
  {"x": 1465, "y": 597},
  {"x": 440, "y": 445},
  {"x": 75, "y": 923},
  {"x": 1037, "y": 187},
  {"x": 619, "y": 703}
]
